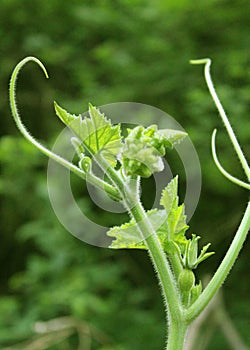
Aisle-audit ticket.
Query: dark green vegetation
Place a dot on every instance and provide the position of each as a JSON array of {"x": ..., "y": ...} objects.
[{"x": 103, "y": 52}]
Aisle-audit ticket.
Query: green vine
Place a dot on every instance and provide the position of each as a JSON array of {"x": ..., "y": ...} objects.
[{"x": 162, "y": 232}]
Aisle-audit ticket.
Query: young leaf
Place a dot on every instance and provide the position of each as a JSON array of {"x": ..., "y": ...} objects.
[
  {"x": 195, "y": 292},
  {"x": 139, "y": 156},
  {"x": 190, "y": 258},
  {"x": 144, "y": 148},
  {"x": 170, "y": 226},
  {"x": 203, "y": 255},
  {"x": 171, "y": 137},
  {"x": 128, "y": 235},
  {"x": 96, "y": 132},
  {"x": 176, "y": 224},
  {"x": 169, "y": 198}
]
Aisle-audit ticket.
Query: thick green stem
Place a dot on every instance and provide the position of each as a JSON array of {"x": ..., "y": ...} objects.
[
  {"x": 219, "y": 277},
  {"x": 176, "y": 336},
  {"x": 159, "y": 259},
  {"x": 177, "y": 325}
]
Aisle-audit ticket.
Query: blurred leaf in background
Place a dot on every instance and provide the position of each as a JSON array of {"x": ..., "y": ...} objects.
[{"x": 103, "y": 52}]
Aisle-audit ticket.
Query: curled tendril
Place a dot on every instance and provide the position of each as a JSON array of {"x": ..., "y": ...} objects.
[
  {"x": 20, "y": 124},
  {"x": 13, "y": 105},
  {"x": 220, "y": 167},
  {"x": 236, "y": 145}
]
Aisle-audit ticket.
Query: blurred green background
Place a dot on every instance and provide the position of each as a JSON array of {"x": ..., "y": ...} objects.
[{"x": 107, "y": 51}]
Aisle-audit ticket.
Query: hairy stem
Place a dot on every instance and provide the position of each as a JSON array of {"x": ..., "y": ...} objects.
[
  {"x": 176, "y": 336},
  {"x": 220, "y": 275},
  {"x": 159, "y": 259},
  {"x": 176, "y": 326},
  {"x": 130, "y": 194}
]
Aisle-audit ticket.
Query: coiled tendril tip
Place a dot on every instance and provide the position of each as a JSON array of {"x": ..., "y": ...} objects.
[
  {"x": 230, "y": 131},
  {"x": 220, "y": 167},
  {"x": 201, "y": 61}
]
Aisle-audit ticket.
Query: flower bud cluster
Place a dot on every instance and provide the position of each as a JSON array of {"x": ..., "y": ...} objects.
[{"x": 142, "y": 151}]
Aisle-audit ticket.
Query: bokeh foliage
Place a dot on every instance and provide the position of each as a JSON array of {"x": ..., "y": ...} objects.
[{"x": 104, "y": 52}]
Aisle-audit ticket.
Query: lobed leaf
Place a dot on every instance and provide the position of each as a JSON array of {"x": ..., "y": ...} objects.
[
  {"x": 95, "y": 132},
  {"x": 176, "y": 223},
  {"x": 169, "y": 198},
  {"x": 171, "y": 137},
  {"x": 128, "y": 235},
  {"x": 169, "y": 224}
]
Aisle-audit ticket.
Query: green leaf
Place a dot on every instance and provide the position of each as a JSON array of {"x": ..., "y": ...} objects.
[
  {"x": 169, "y": 198},
  {"x": 169, "y": 224},
  {"x": 191, "y": 252},
  {"x": 128, "y": 235},
  {"x": 176, "y": 227},
  {"x": 144, "y": 148},
  {"x": 171, "y": 137},
  {"x": 96, "y": 132},
  {"x": 203, "y": 254},
  {"x": 190, "y": 257},
  {"x": 195, "y": 292},
  {"x": 176, "y": 223},
  {"x": 139, "y": 156}
]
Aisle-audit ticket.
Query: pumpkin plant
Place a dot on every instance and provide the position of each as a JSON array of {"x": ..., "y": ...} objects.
[{"x": 162, "y": 232}]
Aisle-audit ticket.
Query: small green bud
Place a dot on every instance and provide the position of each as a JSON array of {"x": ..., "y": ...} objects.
[
  {"x": 191, "y": 252},
  {"x": 191, "y": 259},
  {"x": 195, "y": 292},
  {"x": 144, "y": 171},
  {"x": 186, "y": 280},
  {"x": 147, "y": 146},
  {"x": 85, "y": 164}
]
